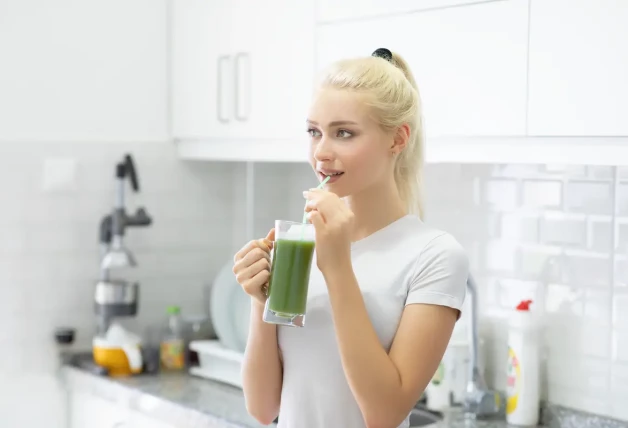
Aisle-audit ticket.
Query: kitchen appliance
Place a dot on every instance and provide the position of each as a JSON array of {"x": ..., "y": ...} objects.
[
  {"x": 118, "y": 351},
  {"x": 115, "y": 296}
]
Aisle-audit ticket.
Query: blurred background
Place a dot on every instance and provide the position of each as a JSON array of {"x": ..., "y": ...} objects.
[{"x": 201, "y": 104}]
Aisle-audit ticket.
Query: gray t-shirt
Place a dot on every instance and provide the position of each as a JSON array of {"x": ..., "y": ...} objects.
[{"x": 404, "y": 263}]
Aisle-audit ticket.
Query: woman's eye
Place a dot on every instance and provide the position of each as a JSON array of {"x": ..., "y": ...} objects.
[
  {"x": 314, "y": 133},
  {"x": 343, "y": 133}
]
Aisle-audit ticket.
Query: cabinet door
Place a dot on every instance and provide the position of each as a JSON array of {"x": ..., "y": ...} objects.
[
  {"x": 88, "y": 411},
  {"x": 83, "y": 71},
  {"x": 273, "y": 51},
  {"x": 578, "y": 67},
  {"x": 139, "y": 420},
  {"x": 202, "y": 78},
  {"x": 469, "y": 63},
  {"x": 346, "y": 10}
]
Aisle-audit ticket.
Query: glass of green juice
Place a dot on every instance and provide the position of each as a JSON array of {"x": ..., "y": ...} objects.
[{"x": 291, "y": 262}]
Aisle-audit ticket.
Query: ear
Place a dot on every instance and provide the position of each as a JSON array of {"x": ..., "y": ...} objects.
[{"x": 401, "y": 138}]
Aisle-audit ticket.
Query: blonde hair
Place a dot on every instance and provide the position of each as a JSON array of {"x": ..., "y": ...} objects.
[{"x": 394, "y": 96}]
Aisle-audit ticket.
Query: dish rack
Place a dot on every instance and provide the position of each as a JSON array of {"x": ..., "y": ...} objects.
[{"x": 217, "y": 362}]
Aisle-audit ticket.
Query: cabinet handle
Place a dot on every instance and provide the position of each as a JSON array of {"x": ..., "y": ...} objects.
[
  {"x": 237, "y": 59},
  {"x": 219, "y": 90}
]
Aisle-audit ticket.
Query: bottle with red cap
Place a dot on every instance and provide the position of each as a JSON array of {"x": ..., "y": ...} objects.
[{"x": 523, "y": 381}]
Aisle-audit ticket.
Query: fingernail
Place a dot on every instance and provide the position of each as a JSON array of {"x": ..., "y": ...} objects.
[{"x": 305, "y": 192}]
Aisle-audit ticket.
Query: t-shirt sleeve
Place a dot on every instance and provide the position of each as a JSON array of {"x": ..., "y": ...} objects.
[{"x": 440, "y": 276}]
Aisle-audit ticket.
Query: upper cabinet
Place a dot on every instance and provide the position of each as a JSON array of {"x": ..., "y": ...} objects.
[
  {"x": 578, "y": 68},
  {"x": 242, "y": 75},
  {"x": 500, "y": 81},
  {"x": 348, "y": 10},
  {"x": 202, "y": 73},
  {"x": 83, "y": 71},
  {"x": 469, "y": 63}
]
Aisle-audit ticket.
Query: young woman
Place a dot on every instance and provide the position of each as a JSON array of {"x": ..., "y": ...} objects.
[{"x": 386, "y": 289}]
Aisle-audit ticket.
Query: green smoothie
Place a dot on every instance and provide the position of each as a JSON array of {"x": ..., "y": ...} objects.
[{"x": 289, "y": 276}]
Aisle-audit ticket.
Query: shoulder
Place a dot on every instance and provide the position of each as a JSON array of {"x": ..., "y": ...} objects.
[
  {"x": 441, "y": 268},
  {"x": 428, "y": 243},
  {"x": 442, "y": 248}
]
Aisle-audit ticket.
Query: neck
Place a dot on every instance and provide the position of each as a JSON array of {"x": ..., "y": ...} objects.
[{"x": 375, "y": 208}]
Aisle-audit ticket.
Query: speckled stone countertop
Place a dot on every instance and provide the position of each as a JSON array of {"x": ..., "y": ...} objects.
[{"x": 186, "y": 401}]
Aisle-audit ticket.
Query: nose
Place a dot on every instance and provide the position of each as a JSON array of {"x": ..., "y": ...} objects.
[{"x": 323, "y": 150}]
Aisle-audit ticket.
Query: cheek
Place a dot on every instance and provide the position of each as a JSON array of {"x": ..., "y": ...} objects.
[{"x": 369, "y": 160}]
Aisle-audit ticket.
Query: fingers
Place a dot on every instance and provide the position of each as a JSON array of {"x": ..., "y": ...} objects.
[
  {"x": 271, "y": 235},
  {"x": 265, "y": 243},
  {"x": 252, "y": 272},
  {"x": 317, "y": 219},
  {"x": 245, "y": 250},
  {"x": 257, "y": 286},
  {"x": 270, "y": 239},
  {"x": 245, "y": 274},
  {"x": 317, "y": 200},
  {"x": 252, "y": 257}
]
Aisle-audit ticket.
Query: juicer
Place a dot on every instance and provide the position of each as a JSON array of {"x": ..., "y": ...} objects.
[{"x": 115, "y": 296}]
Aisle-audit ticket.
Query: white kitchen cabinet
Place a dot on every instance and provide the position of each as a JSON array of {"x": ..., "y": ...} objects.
[
  {"x": 578, "y": 68},
  {"x": 89, "y": 411},
  {"x": 469, "y": 63},
  {"x": 242, "y": 75},
  {"x": 139, "y": 420},
  {"x": 83, "y": 71},
  {"x": 201, "y": 72},
  {"x": 347, "y": 10}
]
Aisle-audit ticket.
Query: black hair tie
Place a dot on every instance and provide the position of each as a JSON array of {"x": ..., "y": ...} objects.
[{"x": 383, "y": 53}]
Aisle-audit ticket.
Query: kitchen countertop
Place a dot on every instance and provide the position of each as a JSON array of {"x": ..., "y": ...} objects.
[{"x": 186, "y": 401}]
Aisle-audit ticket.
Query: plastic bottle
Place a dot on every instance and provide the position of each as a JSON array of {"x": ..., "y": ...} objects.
[
  {"x": 172, "y": 347},
  {"x": 523, "y": 376}
]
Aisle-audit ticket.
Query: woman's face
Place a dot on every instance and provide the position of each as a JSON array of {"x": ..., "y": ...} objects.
[{"x": 347, "y": 143}]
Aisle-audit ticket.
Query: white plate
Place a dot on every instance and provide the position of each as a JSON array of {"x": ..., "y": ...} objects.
[{"x": 230, "y": 309}]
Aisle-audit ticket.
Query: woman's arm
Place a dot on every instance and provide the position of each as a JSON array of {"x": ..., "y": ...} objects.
[
  {"x": 262, "y": 372},
  {"x": 387, "y": 385}
]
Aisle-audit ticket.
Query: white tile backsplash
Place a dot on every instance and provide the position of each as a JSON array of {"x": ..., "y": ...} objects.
[
  {"x": 542, "y": 193},
  {"x": 589, "y": 197},
  {"x": 564, "y": 230},
  {"x": 50, "y": 253},
  {"x": 502, "y": 194},
  {"x": 540, "y": 232},
  {"x": 549, "y": 237}
]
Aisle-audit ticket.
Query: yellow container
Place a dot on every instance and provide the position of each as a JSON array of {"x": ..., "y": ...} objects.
[{"x": 116, "y": 359}]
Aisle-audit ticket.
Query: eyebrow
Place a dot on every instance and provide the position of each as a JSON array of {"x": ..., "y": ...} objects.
[{"x": 335, "y": 123}]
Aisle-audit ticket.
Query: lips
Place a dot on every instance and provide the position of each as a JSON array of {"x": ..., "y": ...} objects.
[{"x": 333, "y": 174}]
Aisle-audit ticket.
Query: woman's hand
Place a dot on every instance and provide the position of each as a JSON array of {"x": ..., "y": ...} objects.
[
  {"x": 252, "y": 266},
  {"x": 333, "y": 222}
]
